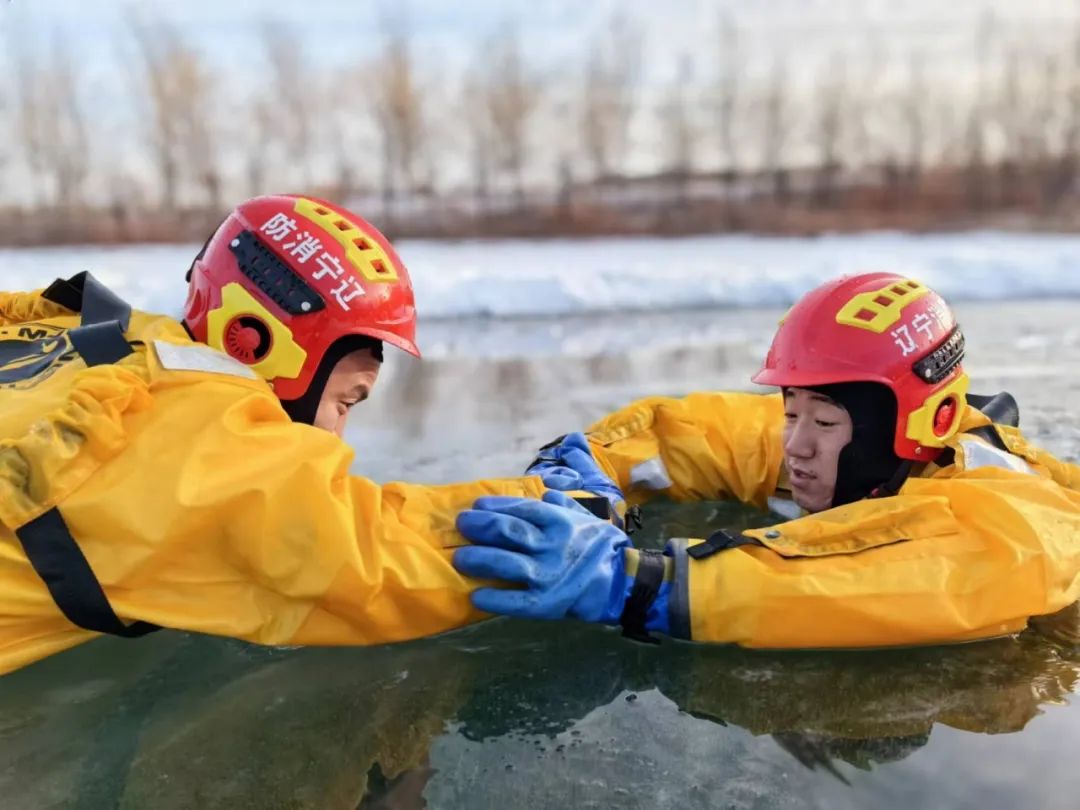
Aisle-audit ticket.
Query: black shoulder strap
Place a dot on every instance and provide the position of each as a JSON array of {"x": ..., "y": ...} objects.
[
  {"x": 1002, "y": 407},
  {"x": 47, "y": 541},
  {"x": 105, "y": 317},
  {"x": 63, "y": 568}
]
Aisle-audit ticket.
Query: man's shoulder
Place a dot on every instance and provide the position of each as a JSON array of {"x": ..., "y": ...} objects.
[{"x": 174, "y": 355}]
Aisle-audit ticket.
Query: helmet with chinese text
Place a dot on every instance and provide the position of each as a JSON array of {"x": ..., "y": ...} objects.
[
  {"x": 285, "y": 278},
  {"x": 878, "y": 328}
]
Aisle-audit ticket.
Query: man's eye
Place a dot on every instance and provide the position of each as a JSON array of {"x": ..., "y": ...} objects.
[
  {"x": 824, "y": 424},
  {"x": 789, "y": 416}
]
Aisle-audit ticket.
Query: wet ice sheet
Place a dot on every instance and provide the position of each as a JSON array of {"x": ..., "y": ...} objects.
[
  {"x": 434, "y": 420},
  {"x": 540, "y": 715},
  {"x": 522, "y": 714}
]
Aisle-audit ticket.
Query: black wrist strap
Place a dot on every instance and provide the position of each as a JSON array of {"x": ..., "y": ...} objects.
[{"x": 650, "y": 576}]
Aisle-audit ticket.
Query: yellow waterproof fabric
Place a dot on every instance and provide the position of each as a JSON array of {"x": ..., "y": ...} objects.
[
  {"x": 711, "y": 445},
  {"x": 963, "y": 552},
  {"x": 200, "y": 506}
]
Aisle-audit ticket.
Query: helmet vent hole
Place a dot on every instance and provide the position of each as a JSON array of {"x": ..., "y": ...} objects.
[
  {"x": 343, "y": 225},
  {"x": 379, "y": 267},
  {"x": 883, "y": 301},
  {"x": 899, "y": 290},
  {"x": 361, "y": 243},
  {"x": 274, "y": 277},
  {"x": 940, "y": 363},
  {"x": 865, "y": 315},
  {"x": 322, "y": 212}
]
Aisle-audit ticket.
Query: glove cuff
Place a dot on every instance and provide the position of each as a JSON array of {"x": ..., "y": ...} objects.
[{"x": 647, "y": 582}]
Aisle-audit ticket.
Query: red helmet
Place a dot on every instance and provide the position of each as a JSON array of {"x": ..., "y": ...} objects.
[
  {"x": 883, "y": 328},
  {"x": 284, "y": 277}
]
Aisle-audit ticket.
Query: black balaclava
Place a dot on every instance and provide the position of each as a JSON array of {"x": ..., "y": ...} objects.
[
  {"x": 869, "y": 460},
  {"x": 303, "y": 409}
]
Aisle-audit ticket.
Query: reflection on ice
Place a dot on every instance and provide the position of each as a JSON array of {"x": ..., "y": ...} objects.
[{"x": 552, "y": 715}]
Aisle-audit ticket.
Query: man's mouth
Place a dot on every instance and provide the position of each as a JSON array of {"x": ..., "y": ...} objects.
[{"x": 801, "y": 476}]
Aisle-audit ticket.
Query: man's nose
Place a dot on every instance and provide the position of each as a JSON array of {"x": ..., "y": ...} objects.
[{"x": 799, "y": 442}]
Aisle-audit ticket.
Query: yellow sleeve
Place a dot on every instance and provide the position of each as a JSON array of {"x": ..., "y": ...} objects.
[
  {"x": 18, "y": 307},
  {"x": 948, "y": 560},
  {"x": 221, "y": 516},
  {"x": 704, "y": 446},
  {"x": 1064, "y": 473}
]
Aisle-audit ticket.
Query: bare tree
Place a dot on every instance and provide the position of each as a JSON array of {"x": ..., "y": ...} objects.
[
  {"x": 975, "y": 163},
  {"x": 974, "y": 134},
  {"x": 829, "y": 125},
  {"x": 29, "y": 102},
  {"x": 398, "y": 111},
  {"x": 163, "y": 122},
  {"x": 179, "y": 93},
  {"x": 728, "y": 87},
  {"x": 52, "y": 122},
  {"x": 67, "y": 144},
  {"x": 1010, "y": 120},
  {"x": 913, "y": 112},
  {"x": 479, "y": 132},
  {"x": 775, "y": 126},
  {"x": 258, "y": 135},
  {"x": 1042, "y": 129},
  {"x": 609, "y": 96},
  {"x": 511, "y": 95},
  {"x": 345, "y": 120},
  {"x": 679, "y": 130},
  {"x": 6, "y": 117},
  {"x": 290, "y": 104},
  {"x": 1064, "y": 174}
]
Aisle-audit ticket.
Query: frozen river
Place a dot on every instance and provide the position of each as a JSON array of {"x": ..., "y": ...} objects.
[{"x": 532, "y": 341}]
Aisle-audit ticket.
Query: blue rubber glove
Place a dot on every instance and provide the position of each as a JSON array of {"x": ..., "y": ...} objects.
[
  {"x": 569, "y": 465},
  {"x": 570, "y": 563}
]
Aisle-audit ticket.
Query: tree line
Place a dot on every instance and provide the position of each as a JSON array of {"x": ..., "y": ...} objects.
[{"x": 732, "y": 141}]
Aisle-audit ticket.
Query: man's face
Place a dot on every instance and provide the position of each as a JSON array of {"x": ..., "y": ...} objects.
[
  {"x": 349, "y": 383},
  {"x": 816, "y": 429}
]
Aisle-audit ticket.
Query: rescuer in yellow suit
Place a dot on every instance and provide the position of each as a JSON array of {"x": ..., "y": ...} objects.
[
  {"x": 159, "y": 474},
  {"x": 918, "y": 514}
]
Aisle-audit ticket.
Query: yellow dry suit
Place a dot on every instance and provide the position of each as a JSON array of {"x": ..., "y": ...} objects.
[
  {"x": 969, "y": 548},
  {"x": 147, "y": 480}
]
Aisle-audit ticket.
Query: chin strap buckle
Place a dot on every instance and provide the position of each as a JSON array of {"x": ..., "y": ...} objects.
[{"x": 893, "y": 485}]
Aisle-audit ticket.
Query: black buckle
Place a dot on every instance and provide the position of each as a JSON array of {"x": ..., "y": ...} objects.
[
  {"x": 720, "y": 540},
  {"x": 543, "y": 455}
]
